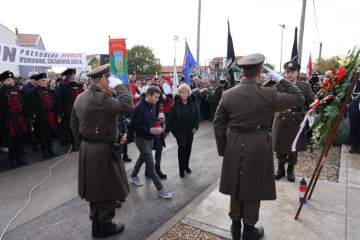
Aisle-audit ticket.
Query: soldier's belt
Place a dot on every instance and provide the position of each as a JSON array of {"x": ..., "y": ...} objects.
[
  {"x": 257, "y": 129},
  {"x": 296, "y": 109},
  {"x": 96, "y": 141}
]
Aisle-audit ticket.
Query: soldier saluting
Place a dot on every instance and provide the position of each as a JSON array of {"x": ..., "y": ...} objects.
[
  {"x": 248, "y": 168},
  {"x": 286, "y": 124},
  {"x": 69, "y": 89},
  {"x": 12, "y": 119}
]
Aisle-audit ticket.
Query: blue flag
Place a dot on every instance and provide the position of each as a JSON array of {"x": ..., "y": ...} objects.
[{"x": 189, "y": 64}]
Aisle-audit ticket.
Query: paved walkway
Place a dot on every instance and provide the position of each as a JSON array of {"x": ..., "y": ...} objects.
[{"x": 332, "y": 213}]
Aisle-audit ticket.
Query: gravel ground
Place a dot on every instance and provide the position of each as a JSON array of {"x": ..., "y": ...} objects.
[{"x": 307, "y": 162}]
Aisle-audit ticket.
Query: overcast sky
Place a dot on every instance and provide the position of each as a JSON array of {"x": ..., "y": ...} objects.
[{"x": 84, "y": 26}]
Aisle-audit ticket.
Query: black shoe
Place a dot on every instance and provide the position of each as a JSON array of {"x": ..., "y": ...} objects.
[
  {"x": 127, "y": 159},
  {"x": 14, "y": 164},
  {"x": 52, "y": 153},
  {"x": 147, "y": 174},
  {"x": 182, "y": 174},
  {"x": 252, "y": 233},
  {"x": 290, "y": 173},
  {"x": 95, "y": 229},
  {"x": 235, "y": 230},
  {"x": 188, "y": 170},
  {"x": 281, "y": 171},
  {"x": 353, "y": 149},
  {"x": 118, "y": 204},
  {"x": 161, "y": 174},
  {"x": 109, "y": 229},
  {"x": 46, "y": 155},
  {"x": 74, "y": 148},
  {"x": 21, "y": 161}
]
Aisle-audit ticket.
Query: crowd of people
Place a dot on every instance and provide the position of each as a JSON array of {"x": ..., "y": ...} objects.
[{"x": 256, "y": 113}]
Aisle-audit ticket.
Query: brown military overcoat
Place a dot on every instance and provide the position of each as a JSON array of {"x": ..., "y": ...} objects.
[
  {"x": 246, "y": 107},
  {"x": 95, "y": 116},
  {"x": 287, "y": 123}
]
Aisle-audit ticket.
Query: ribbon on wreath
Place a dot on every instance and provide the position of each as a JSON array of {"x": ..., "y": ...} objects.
[{"x": 306, "y": 117}]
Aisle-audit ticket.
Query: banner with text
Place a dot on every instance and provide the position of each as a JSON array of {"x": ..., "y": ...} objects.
[
  {"x": 11, "y": 54},
  {"x": 118, "y": 58}
]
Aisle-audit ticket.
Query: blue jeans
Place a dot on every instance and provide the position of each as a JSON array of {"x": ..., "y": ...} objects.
[{"x": 145, "y": 148}]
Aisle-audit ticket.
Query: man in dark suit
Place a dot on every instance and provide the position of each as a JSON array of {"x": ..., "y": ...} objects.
[
  {"x": 247, "y": 171},
  {"x": 94, "y": 122},
  {"x": 287, "y": 123}
]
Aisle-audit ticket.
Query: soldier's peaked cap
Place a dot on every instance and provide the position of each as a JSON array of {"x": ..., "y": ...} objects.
[
  {"x": 291, "y": 65},
  {"x": 101, "y": 71},
  {"x": 251, "y": 61},
  {"x": 68, "y": 71},
  {"x": 5, "y": 75},
  {"x": 39, "y": 76}
]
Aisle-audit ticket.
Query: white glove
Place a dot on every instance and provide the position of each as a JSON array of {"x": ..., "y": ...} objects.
[
  {"x": 275, "y": 76},
  {"x": 114, "y": 80}
]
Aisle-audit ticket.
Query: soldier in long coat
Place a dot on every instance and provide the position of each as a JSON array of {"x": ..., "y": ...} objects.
[
  {"x": 13, "y": 126},
  {"x": 94, "y": 122},
  {"x": 247, "y": 171},
  {"x": 287, "y": 123}
]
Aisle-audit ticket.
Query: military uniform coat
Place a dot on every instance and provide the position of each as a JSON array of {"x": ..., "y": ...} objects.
[
  {"x": 248, "y": 167},
  {"x": 287, "y": 123},
  {"x": 95, "y": 116}
]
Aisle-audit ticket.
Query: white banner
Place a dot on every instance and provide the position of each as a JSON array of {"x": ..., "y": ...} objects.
[{"x": 11, "y": 54}]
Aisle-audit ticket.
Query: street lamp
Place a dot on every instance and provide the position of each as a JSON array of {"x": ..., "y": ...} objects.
[
  {"x": 282, "y": 34},
  {"x": 176, "y": 38}
]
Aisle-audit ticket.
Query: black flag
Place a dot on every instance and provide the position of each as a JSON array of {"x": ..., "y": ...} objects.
[
  {"x": 294, "y": 52},
  {"x": 230, "y": 58}
]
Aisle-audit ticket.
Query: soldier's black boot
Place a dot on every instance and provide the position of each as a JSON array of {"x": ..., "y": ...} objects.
[
  {"x": 290, "y": 173},
  {"x": 19, "y": 157},
  {"x": 109, "y": 229},
  {"x": 51, "y": 149},
  {"x": 160, "y": 173},
  {"x": 74, "y": 147},
  {"x": 95, "y": 229},
  {"x": 126, "y": 158},
  {"x": 358, "y": 148},
  {"x": 353, "y": 148},
  {"x": 12, "y": 158},
  {"x": 235, "y": 230},
  {"x": 45, "y": 150},
  {"x": 252, "y": 233},
  {"x": 281, "y": 171}
]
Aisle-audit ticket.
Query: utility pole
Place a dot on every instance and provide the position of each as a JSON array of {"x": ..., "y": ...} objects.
[
  {"x": 302, "y": 23},
  {"x": 320, "y": 50},
  {"x": 282, "y": 34},
  {"x": 198, "y": 40}
]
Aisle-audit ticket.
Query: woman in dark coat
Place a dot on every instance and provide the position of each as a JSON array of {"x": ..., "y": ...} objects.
[{"x": 183, "y": 122}]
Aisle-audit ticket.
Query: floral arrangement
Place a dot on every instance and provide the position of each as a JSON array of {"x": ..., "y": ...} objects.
[
  {"x": 195, "y": 91},
  {"x": 204, "y": 92},
  {"x": 331, "y": 96}
]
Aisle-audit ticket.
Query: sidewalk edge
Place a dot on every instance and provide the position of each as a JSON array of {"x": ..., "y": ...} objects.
[{"x": 180, "y": 215}]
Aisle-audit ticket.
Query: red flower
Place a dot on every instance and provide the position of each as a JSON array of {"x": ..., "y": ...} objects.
[
  {"x": 326, "y": 81},
  {"x": 342, "y": 73},
  {"x": 333, "y": 71},
  {"x": 329, "y": 87}
]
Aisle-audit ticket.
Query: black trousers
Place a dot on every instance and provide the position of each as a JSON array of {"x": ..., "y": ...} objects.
[
  {"x": 248, "y": 211},
  {"x": 158, "y": 147},
  {"x": 354, "y": 121},
  {"x": 184, "y": 141},
  {"x": 289, "y": 158},
  {"x": 102, "y": 212}
]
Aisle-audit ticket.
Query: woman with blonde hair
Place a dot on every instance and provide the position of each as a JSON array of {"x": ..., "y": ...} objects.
[{"x": 183, "y": 122}]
